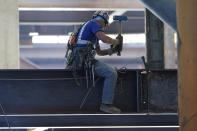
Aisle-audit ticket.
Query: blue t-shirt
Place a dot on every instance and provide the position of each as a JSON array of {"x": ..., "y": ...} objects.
[{"x": 89, "y": 31}]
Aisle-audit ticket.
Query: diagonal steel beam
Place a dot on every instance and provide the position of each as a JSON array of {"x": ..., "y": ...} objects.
[{"x": 164, "y": 9}]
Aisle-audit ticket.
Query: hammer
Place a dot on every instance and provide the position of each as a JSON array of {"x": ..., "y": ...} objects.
[{"x": 120, "y": 19}]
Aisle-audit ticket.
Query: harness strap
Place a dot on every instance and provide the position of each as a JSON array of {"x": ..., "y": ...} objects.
[
  {"x": 80, "y": 41},
  {"x": 83, "y": 41}
]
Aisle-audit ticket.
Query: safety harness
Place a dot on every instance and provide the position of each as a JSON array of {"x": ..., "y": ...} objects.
[{"x": 80, "y": 56}]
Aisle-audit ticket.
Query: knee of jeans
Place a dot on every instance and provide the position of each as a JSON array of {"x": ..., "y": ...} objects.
[{"x": 113, "y": 74}]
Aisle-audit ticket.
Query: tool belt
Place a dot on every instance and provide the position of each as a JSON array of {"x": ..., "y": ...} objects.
[{"x": 81, "y": 58}]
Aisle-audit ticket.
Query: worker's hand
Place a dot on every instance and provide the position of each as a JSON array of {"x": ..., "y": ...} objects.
[
  {"x": 118, "y": 48},
  {"x": 111, "y": 51},
  {"x": 118, "y": 41}
]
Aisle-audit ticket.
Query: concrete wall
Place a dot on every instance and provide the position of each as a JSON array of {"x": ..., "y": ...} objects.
[{"x": 9, "y": 34}]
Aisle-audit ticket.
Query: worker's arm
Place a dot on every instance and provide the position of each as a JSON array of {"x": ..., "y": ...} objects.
[
  {"x": 106, "y": 39},
  {"x": 103, "y": 52}
]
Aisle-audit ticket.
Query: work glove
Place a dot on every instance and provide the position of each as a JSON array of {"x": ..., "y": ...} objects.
[
  {"x": 118, "y": 48},
  {"x": 117, "y": 41},
  {"x": 111, "y": 51}
]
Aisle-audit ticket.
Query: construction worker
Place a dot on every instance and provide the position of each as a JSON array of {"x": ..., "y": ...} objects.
[{"x": 90, "y": 34}]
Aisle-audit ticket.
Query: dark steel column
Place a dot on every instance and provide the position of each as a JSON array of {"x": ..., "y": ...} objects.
[{"x": 154, "y": 41}]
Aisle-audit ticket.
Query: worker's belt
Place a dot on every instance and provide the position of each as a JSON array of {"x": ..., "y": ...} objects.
[{"x": 82, "y": 43}]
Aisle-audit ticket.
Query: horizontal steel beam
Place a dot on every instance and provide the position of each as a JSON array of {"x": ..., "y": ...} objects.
[
  {"x": 89, "y": 120},
  {"x": 52, "y": 91},
  {"x": 108, "y": 4},
  {"x": 51, "y": 23},
  {"x": 62, "y": 22},
  {"x": 140, "y": 128}
]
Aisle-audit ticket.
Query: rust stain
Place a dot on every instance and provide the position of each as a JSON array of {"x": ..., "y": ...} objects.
[{"x": 187, "y": 70}]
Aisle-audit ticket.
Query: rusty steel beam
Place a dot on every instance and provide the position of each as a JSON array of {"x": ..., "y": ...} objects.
[
  {"x": 109, "y": 4},
  {"x": 187, "y": 82}
]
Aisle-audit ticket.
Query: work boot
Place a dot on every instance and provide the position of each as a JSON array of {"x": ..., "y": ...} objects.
[{"x": 108, "y": 108}]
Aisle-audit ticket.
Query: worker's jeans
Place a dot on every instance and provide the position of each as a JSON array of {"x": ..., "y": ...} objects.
[{"x": 110, "y": 76}]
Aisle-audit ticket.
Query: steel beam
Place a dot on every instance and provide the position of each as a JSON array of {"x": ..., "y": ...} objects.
[
  {"x": 121, "y": 129},
  {"x": 187, "y": 82},
  {"x": 51, "y": 91},
  {"x": 164, "y": 9},
  {"x": 158, "y": 91},
  {"x": 85, "y": 4},
  {"x": 26, "y": 64},
  {"x": 162, "y": 91},
  {"x": 89, "y": 120},
  {"x": 62, "y": 22},
  {"x": 55, "y": 91},
  {"x": 154, "y": 41}
]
